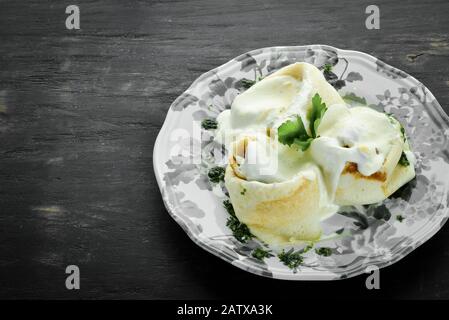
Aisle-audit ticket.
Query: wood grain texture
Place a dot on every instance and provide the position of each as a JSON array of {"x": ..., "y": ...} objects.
[{"x": 80, "y": 111}]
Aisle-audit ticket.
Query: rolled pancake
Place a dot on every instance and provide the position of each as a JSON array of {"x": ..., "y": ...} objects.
[
  {"x": 355, "y": 188},
  {"x": 360, "y": 136},
  {"x": 283, "y": 94},
  {"x": 353, "y": 159},
  {"x": 303, "y": 71},
  {"x": 278, "y": 213}
]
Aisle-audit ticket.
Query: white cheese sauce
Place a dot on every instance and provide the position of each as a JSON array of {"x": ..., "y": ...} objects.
[
  {"x": 359, "y": 135},
  {"x": 265, "y": 105}
]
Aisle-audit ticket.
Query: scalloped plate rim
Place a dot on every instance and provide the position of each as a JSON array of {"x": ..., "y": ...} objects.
[{"x": 281, "y": 274}]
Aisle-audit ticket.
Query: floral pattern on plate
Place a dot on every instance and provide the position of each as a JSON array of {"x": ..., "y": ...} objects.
[{"x": 372, "y": 235}]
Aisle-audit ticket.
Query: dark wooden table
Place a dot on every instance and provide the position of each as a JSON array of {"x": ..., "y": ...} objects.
[{"x": 80, "y": 111}]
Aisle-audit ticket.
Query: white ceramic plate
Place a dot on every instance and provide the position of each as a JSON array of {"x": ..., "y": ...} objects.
[{"x": 371, "y": 235}]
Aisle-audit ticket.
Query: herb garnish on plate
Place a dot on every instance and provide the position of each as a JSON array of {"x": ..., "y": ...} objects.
[
  {"x": 239, "y": 230},
  {"x": 261, "y": 254},
  {"x": 290, "y": 258},
  {"x": 294, "y": 131},
  {"x": 323, "y": 251},
  {"x": 209, "y": 124},
  {"x": 216, "y": 174}
]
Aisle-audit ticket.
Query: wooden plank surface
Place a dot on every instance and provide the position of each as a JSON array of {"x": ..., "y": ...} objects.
[{"x": 80, "y": 111}]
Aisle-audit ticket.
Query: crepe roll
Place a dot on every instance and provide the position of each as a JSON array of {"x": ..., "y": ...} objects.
[
  {"x": 285, "y": 93},
  {"x": 285, "y": 205},
  {"x": 359, "y": 150},
  {"x": 280, "y": 212}
]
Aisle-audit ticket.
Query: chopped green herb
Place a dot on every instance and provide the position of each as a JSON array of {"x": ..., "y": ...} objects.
[
  {"x": 216, "y": 174},
  {"x": 399, "y": 218},
  {"x": 323, "y": 251},
  {"x": 246, "y": 83},
  {"x": 209, "y": 124},
  {"x": 403, "y": 161},
  {"x": 403, "y": 133},
  {"x": 391, "y": 118},
  {"x": 290, "y": 258},
  {"x": 261, "y": 254},
  {"x": 316, "y": 113},
  {"x": 294, "y": 131},
  {"x": 395, "y": 121},
  {"x": 229, "y": 208},
  {"x": 352, "y": 97},
  {"x": 239, "y": 230},
  {"x": 307, "y": 248},
  {"x": 327, "y": 67},
  {"x": 243, "y": 192}
]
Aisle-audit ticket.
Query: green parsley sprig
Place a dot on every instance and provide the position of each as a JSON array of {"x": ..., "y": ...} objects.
[
  {"x": 316, "y": 114},
  {"x": 294, "y": 131}
]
